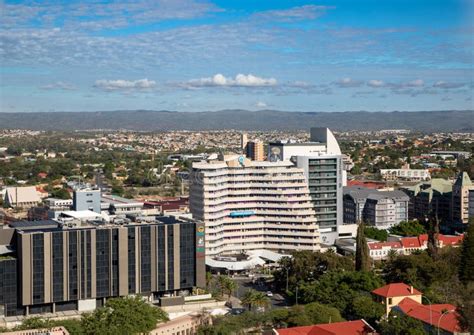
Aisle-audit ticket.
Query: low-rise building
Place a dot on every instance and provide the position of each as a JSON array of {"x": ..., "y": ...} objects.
[
  {"x": 408, "y": 245},
  {"x": 405, "y": 174},
  {"x": 355, "y": 327},
  {"x": 392, "y": 294},
  {"x": 21, "y": 197}
]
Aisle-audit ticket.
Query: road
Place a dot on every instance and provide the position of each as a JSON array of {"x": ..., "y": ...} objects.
[{"x": 245, "y": 284}]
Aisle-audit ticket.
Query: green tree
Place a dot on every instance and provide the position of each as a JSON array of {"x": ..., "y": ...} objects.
[
  {"x": 362, "y": 250},
  {"x": 376, "y": 234},
  {"x": 466, "y": 266},
  {"x": 60, "y": 193},
  {"x": 319, "y": 313},
  {"x": 408, "y": 228},
  {"x": 363, "y": 307},
  {"x": 253, "y": 298},
  {"x": 400, "y": 324},
  {"x": 128, "y": 315}
]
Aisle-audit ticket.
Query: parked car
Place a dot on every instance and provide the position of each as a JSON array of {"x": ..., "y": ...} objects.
[{"x": 269, "y": 294}]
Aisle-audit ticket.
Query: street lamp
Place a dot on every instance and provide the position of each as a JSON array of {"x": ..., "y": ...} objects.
[
  {"x": 286, "y": 280},
  {"x": 431, "y": 311},
  {"x": 444, "y": 313}
]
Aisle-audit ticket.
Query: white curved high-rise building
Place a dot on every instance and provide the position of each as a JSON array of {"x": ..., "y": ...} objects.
[{"x": 248, "y": 205}]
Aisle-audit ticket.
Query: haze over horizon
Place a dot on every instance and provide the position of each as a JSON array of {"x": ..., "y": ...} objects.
[{"x": 187, "y": 55}]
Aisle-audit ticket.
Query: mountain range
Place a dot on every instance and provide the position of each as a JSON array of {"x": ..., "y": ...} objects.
[{"x": 149, "y": 120}]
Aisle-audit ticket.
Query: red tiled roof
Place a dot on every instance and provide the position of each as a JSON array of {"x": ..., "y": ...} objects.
[
  {"x": 380, "y": 245},
  {"x": 421, "y": 240},
  {"x": 395, "y": 290},
  {"x": 432, "y": 314},
  {"x": 368, "y": 184},
  {"x": 410, "y": 242},
  {"x": 357, "y": 327}
]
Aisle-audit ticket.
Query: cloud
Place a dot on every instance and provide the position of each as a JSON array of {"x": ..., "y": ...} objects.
[
  {"x": 98, "y": 15},
  {"x": 414, "y": 83},
  {"x": 307, "y": 12},
  {"x": 260, "y": 104},
  {"x": 347, "y": 82},
  {"x": 445, "y": 85},
  {"x": 376, "y": 83},
  {"x": 59, "y": 85},
  {"x": 125, "y": 85},
  {"x": 240, "y": 80}
]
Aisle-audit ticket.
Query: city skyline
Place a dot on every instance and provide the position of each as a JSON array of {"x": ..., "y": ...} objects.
[{"x": 209, "y": 55}]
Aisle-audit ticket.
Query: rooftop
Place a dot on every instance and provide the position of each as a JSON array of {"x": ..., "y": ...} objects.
[
  {"x": 431, "y": 314},
  {"x": 356, "y": 327},
  {"x": 396, "y": 290}
]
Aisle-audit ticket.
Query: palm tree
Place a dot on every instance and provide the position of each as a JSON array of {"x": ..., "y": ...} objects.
[
  {"x": 260, "y": 299},
  {"x": 247, "y": 299},
  {"x": 229, "y": 286},
  {"x": 253, "y": 298}
]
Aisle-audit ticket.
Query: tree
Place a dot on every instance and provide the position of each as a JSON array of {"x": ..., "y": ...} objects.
[
  {"x": 466, "y": 266},
  {"x": 376, "y": 234},
  {"x": 363, "y": 307},
  {"x": 128, "y": 315},
  {"x": 253, "y": 298},
  {"x": 60, "y": 193},
  {"x": 229, "y": 287},
  {"x": 362, "y": 250},
  {"x": 400, "y": 324},
  {"x": 319, "y": 313},
  {"x": 408, "y": 228}
]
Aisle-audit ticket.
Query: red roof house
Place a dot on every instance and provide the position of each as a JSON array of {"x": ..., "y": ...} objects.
[
  {"x": 356, "y": 327},
  {"x": 444, "y": 315},
  {"x": 396, "y": 290}
]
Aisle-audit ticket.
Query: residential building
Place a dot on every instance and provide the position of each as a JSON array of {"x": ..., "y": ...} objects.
[
  {"x": 392, "y": 294},
  {"x": 430, "y": 198},
  {"x": 21, "y": 197},
  {"x": 86, "y": 198},
  {"x": 251, "y": 205},
  {"x": 356, "y": 327},
  {"x": 460, "y": 196},
  {"x": 322, "y": 163},
  {"x": 408, "y": 245},
  {"x": 442, "y": 318},
  {"x": 255, "y": 150},
  {"x": 381, "y": 209},
  {"x": 405, "y": 174},
  {"x": 57, "y": 268}
]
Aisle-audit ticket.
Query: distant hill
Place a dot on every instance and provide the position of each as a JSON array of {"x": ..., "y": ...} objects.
[{"x": 146, "y": 120}]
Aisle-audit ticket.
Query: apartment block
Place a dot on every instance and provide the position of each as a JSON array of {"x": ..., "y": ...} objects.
[
  {"x": 381, "y": 209},
  {"x": 255, "y": 150},
  {"x": 323, "y": 166},
  {"x": 252, "y": 205},
  {"x": 58, "y": 268}
]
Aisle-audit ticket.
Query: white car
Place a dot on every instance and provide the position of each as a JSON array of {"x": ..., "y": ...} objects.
[{"x": 269, "y": 294}]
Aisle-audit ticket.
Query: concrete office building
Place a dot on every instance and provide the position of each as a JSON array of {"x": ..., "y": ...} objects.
[
  {"x": 86, "y": 198},
  {"x": 255, "y": 150},
  {"x": 322, "y": 163},
  {"x": 381, "y": 209},
  {"x": 250, "y": 205},
  {"x": 55, "y": 268}
]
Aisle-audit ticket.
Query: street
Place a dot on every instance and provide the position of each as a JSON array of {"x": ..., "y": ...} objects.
[{"x": 245, "y": 284}]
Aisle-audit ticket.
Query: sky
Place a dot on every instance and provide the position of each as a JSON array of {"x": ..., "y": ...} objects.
[{"x": 190, "y": 55}]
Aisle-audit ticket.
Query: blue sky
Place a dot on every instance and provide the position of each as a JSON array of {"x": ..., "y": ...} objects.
[{"x": 189, "y": 55}]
